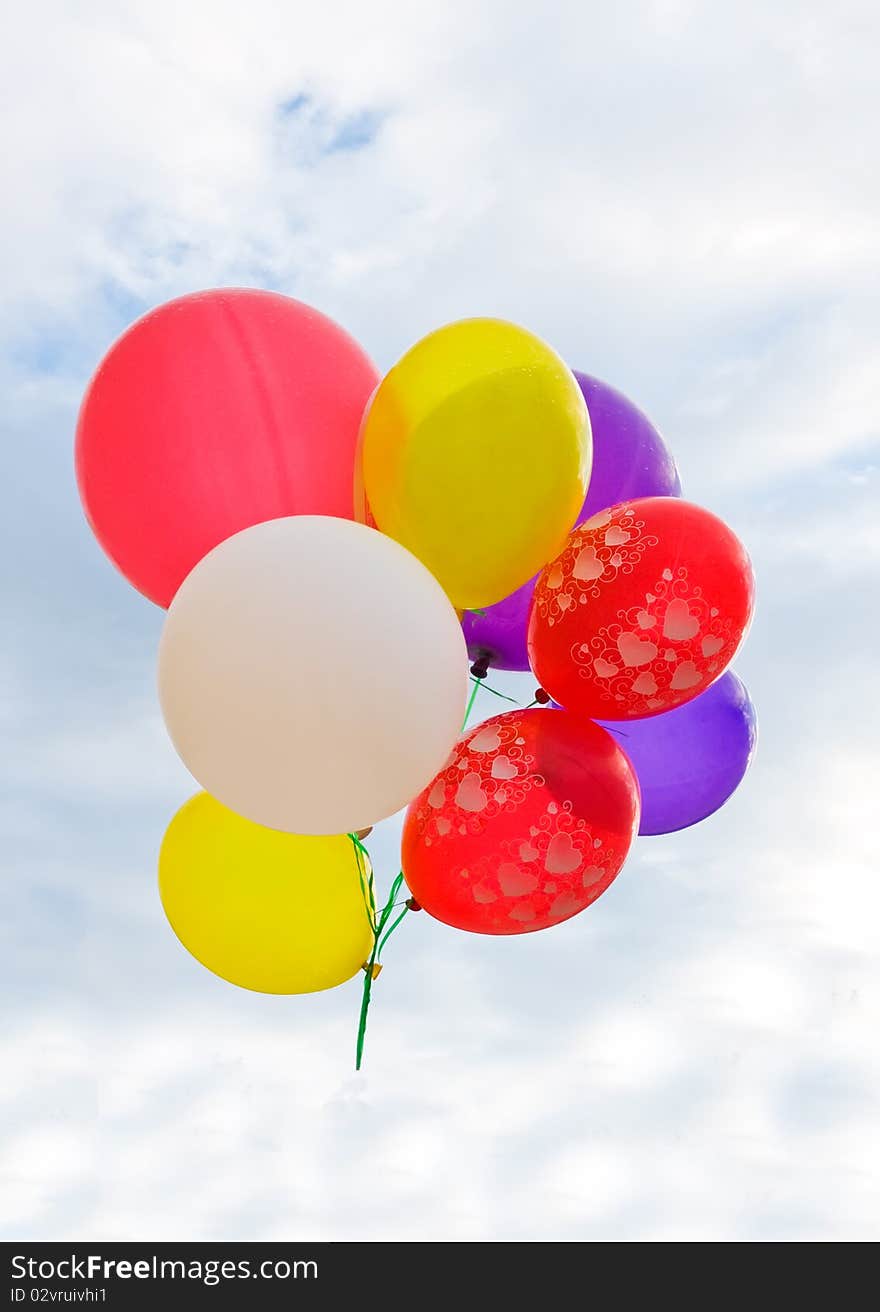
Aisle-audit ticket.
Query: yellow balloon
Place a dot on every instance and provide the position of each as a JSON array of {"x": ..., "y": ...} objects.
[
  {"x": 269, "y": 911},
  {"x": 476, "y": 452}
]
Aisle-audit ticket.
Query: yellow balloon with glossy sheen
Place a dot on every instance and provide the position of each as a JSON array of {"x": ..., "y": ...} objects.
[
  {"x": 476, "y": 453},
  {"x": 269, "y": 911}
]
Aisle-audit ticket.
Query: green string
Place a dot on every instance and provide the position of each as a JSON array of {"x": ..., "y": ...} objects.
[
  {"x": 378, "y": 921},
  {"x": 368, "y": 893},
  {"x": 391, "y": 930},
  {"x": 471, "y": 700},
  {"x": 495, "y": 692},
  {"x": 379, "y": 940}
]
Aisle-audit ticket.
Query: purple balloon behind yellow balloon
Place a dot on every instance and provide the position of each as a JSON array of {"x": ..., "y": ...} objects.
[{"x": 630, "y": 459}]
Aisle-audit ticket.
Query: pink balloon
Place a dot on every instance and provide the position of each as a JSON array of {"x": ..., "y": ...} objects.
[{"x": 212, "y": 413}]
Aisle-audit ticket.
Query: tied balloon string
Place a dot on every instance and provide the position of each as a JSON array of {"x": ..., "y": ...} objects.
[
  {"x": 379, "y": 922},
  {"x": 390, "y": 906},
  {"x": 368, "y": 892},
  {"x": 381, "y": 936},
  {"x": 471, "y": 700},
  {"x": 502, "y": 695},
  {"x": 478, "y": 684}
]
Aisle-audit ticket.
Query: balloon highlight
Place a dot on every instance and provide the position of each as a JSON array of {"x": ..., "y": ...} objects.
[
  {"x": 476, "y": 456},
  {"x": 214, "y": 412}
]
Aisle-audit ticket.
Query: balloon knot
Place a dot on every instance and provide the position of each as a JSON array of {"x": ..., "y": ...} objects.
[
  {"x": 480, "y": 667},
  {"x": 412, "y": 904},
  {"x": 541, "y": 697}
]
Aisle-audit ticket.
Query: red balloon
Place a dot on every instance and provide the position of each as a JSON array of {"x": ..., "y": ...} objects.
[
  {"x": 213, "y": 413},
  {"x": 646, "y": 605},
  {"x": 529, "y": 821}
]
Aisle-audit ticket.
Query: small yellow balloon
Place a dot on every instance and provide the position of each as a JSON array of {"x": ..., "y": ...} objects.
[
  {"x": 476, "y": 453},
  {"x": 269, "y": 911}
]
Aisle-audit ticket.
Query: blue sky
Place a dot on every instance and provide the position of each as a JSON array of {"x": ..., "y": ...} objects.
[{"x": 682, "y": 198}]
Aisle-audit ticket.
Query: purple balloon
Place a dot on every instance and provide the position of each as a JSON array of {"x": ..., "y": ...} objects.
[
  {"x": 689, "y": 760},
  {"x": 630, "y": 459}
]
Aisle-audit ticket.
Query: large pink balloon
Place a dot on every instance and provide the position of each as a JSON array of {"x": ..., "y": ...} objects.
[{"x": 215, "y": 412}]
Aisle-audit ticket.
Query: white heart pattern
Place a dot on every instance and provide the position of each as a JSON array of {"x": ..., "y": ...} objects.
[
  {"x": 686, "y": 676},
  {"x": 522, "y": 911},
  {"x": 487, "y": 740},
  {"x": 566, "y": 904},
  {"x": 599, "y": 520},
  {"x": 615, "y": 536},
  {"x": 437, "y": 795},
  {"x": 587, "y": 565},
  {"x": 515, "y": 882},
  {"x": 470, "y": 795},
  {"x": 634, "y": 650},
  {"x": 678, "y": 623},
  {"x": 562, "y": 856}
]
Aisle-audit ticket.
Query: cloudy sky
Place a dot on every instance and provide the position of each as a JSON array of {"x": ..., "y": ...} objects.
[{"x": 682, "y": 197}]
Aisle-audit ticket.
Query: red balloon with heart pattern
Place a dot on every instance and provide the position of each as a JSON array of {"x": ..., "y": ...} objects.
[
  {"x": 527, "y": 824},
  {"x": 643, "y": 609}
]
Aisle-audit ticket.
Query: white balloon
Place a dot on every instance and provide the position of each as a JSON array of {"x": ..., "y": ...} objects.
[{"x": 312, "y": 674}]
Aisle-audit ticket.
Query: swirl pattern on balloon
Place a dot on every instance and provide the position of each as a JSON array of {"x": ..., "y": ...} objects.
[
  {"x": 631, "y": 620},
  {"x": 611, "y": 543}
]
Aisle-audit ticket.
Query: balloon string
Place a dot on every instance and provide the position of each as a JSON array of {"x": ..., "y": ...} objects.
[
  {"x": 470, "y": 706},
  {"x": 380, "y": 938},
  {"x": 496, "y": 693},
  {"x": 366, "y": 882},
  {"x": 391, "y": 928},
  {"x": 381, "y": 935}
]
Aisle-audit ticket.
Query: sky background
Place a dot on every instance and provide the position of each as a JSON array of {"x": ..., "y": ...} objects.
[{"x": 682, "y": 198}]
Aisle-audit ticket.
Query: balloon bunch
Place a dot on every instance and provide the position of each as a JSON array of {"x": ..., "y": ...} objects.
[{"x": 331, "y": 548}]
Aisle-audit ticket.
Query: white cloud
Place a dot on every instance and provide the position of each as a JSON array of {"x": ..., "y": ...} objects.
[
  {"x": 661, "y": 181},
  {"x": 683, "y": 201}
]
